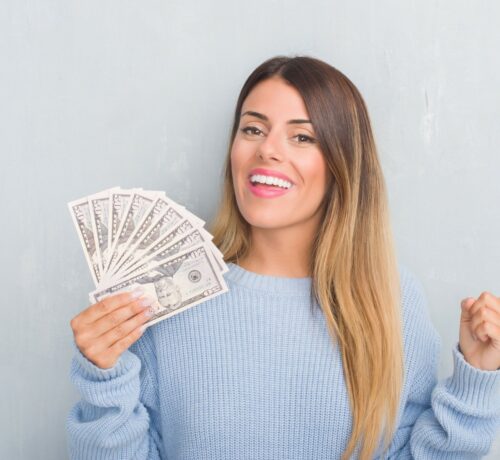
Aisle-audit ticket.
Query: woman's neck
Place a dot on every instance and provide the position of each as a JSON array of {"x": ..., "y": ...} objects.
[{"x": 279, "y": 252}]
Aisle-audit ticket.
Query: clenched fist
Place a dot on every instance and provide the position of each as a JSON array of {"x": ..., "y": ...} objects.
[{"x": 480, "y": 331}]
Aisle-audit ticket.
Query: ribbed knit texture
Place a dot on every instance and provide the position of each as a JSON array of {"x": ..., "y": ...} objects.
[{"x": 254, "y": 374}]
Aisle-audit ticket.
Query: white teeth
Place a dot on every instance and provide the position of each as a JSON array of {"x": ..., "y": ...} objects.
[{"x": 269, "y": 180}]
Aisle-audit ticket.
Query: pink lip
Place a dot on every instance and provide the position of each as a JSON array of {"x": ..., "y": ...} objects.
[{"x": 264, "y": 191}]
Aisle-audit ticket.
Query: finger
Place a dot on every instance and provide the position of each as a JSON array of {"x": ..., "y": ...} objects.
[
  {"x": 492, "y": 302},
  {"x": 484, "y": 317},
  {"x": 485, "y": 299},
  {"x": 116, "y": 317},
  {"x": 487, "y": 330},
  {"x": 468, "y": 301},
  {"x": 123, "y": 344},
  {"x": 108, "y": 304},
  {"x": 466, "y": 334},
  {"x": 110, "y": 356},
  {"x": 466, "y": 305},
  {"x": 485, "y": 314},
  {"x": 109, "y": 338}
]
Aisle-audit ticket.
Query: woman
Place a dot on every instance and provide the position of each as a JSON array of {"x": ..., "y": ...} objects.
[{"x": 255, "y": 373}]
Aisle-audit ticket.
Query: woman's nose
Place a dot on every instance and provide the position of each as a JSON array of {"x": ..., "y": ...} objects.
[{"x": 270, "y": 148}]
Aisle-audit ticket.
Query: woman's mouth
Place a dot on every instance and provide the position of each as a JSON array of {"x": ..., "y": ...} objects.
[{"x": 266, "y": 190}]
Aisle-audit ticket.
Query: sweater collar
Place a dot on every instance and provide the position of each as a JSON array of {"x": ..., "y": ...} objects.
[{"x": 273, "y": 284}]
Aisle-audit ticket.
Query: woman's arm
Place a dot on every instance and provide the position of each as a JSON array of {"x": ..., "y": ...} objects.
[
  {"x": 454, "y": 419},
  {"x": 117, "y": 416},
  {"x": 457, "y": 418}
]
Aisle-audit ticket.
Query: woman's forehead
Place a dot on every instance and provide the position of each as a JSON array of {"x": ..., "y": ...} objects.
[{"x": 274, "y": 99}]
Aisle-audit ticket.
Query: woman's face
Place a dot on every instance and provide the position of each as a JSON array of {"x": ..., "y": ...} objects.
[{"x": 269, "y": 139}]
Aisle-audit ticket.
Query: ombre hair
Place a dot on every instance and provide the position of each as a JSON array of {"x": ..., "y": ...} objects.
[{"x": 353, "y": 262}]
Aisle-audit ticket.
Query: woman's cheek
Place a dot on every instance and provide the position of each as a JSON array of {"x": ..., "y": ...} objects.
[{"x": 314, "y": 173}]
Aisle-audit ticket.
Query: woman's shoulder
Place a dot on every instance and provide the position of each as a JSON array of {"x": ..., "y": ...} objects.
[
  {"x": 413, "y": 296},
  {"x": 415, "y": 310},
  {"x": 421, "y": 340}
]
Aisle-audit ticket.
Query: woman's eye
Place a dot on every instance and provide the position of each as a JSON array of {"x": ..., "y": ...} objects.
[
  {"x": 251, "y": 130},
  {"x": 305, "y": 138}
]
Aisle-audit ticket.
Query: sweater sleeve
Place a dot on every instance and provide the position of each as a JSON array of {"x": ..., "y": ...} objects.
[
  {"x": 457, "y": 418},
  {"x": 117, "y": 416}
]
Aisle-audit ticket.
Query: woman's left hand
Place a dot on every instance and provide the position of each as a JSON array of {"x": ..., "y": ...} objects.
[{"x": 480, "y": 331}]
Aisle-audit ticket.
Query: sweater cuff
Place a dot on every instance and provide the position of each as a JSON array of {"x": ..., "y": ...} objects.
[
  {"x": 473, "y": 386},
  {"x": 86, "y": 368}
]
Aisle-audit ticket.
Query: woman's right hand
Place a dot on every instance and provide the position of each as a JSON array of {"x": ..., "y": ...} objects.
[{"x": 107, "y": 328}]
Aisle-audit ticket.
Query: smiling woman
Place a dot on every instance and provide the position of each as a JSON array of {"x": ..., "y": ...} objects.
[
  {"x": 269, "y": 145},
  {"x": 322, "y": 348},
  {"x": 305, "y": 121},
  {"x": 323, "y": 226}
]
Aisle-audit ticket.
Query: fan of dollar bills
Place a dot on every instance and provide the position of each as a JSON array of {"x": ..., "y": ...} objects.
[{"x": 139, "y": 238}]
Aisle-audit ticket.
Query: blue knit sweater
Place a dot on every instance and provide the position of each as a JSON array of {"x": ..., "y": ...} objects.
[{"x": 254, "y": 374}]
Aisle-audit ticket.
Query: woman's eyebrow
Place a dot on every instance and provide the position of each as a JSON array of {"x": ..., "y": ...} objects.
[{"x": 263, "y": 117}]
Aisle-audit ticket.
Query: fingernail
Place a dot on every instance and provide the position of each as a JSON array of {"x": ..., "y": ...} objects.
[
  {"x": 143, "y": 327},
  {"x": 150, "y": 313},
  {"x": 145, "y": 302},
  {"x": 137, "y": 292}
]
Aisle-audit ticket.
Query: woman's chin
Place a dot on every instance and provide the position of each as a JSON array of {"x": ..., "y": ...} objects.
[{"x": 266, "y": 221}]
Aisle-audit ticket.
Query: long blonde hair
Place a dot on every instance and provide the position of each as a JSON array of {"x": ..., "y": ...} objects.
[{"x": 353, "y": 264}]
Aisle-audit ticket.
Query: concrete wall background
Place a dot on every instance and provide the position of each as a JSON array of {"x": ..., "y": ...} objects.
[{"x": 96, "y": 94}]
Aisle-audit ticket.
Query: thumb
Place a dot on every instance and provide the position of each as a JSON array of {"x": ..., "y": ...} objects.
[
  {"x": 467, "y": 338},
  {"x": 466, "y": 304}
]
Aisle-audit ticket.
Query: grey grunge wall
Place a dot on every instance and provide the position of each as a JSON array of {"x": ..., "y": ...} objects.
[{"x": 140, "y": 94}]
